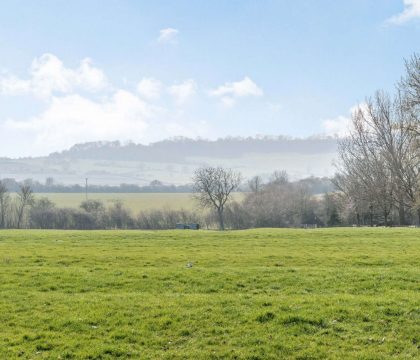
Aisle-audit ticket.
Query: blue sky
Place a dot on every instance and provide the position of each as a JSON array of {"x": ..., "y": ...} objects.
[{"x": 75, "y": 71}]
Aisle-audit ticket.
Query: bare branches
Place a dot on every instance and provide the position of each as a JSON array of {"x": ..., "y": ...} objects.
[
  {"x": 410, "y": 84},
  {"x": 213, "y": 187},
  {"x": 25, "y": 199},
  {"x": 255, "y": 184},
  {"x": 380, "y": 160}
]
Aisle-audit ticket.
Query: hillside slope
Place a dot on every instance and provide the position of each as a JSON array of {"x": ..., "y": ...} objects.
[{"x": 173, "y": 161}]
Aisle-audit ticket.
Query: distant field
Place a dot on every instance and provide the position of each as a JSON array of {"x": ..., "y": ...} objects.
[
  {"x": 255, "y": 294},
  {"x": 135, "y": 201}
]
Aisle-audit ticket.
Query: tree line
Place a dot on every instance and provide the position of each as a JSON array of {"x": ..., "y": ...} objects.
[
  {"x": 277, "y": 202},
  {"x": 26, "y": 211},
  {"x": 51, "y": 186}
]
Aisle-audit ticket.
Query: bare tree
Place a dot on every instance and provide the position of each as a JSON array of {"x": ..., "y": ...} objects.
[
  {"x": 120, "y": 216},
  {"x": 409, "y": 88},
  {"x": 255, "y": 184},
  {"x": 42, "y": 214},
  {"x": 391, "y": 127},
  {"x": 25, "y": 199},
  {"x": 279, "y": 177},
  {"x": 410, "y": 84},
  {"x": 97, "y": 209},
  {"x": 213, "y": 187},
  {"x": 4, "y": 202},
  {"x": 380, "y": 167}
]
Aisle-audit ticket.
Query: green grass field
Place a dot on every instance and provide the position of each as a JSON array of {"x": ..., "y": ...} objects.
[
  {"x": 134, "y": 201},
  {"x": 256, "y": 294}
]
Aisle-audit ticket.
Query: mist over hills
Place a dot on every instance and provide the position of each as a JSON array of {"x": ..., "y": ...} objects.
[
  {"x": 174, "y": 160},
  {"x": 180, "y": 148}
]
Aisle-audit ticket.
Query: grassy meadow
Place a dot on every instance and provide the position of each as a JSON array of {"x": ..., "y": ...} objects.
[{"x": 255, "y": 294}]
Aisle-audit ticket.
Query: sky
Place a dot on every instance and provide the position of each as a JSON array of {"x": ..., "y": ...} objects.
[{"x": 142, "y": 71}]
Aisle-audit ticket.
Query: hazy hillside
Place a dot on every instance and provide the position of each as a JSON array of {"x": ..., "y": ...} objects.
[{"x": 173, "y": 161}]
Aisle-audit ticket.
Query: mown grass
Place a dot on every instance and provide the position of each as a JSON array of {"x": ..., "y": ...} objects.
[{"x": 256, "y": 294}]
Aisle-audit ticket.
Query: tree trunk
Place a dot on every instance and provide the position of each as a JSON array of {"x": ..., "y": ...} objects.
[
  {"x": 401, "y": 214},
  {"x": 401, "y": 209},
  {"x": 221, "y": 220},
  {"x": 20, "y": 216},
  {"x": 2, "y": 213},
  {"x": 418, "y": 216}
]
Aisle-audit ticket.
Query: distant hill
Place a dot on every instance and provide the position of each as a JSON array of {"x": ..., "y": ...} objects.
[
  {"x": 179, "y": 149},
  {"x": 174, "y": 160}
]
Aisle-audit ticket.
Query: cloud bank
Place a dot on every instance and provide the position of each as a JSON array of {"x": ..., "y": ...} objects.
[
  {"x": 231, "y": 91},
  {"x": 411, "y": 11},
  {"x": 80, "y": 104},
  {"x": 48, "y": 76}
]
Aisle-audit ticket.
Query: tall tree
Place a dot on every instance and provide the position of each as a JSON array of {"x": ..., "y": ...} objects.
[
  {"x": 25, "y": 199},
  {"x": 4, "y": 203},
  {"x": 365, "y": 176},
  {"x": 255, "y": 184},
  {"x": 409, "y": 88}
]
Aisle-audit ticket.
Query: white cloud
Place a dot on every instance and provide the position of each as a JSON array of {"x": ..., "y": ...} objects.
[
  {"x": 168, "y": 35},
  {"x": 341, "y": 125},
  {"x": 48, "y": 76},
  {"x": 232, "y": 90},
  {"x": 336, "y": 127},
  {"x": 72, "y": 118},
  {"x": 410, "y": 12},
  {"x": 80, "y": 105},
  {"x": 245, "y": 87},
  {"x": 228, "y": 101},
  {"x": 11, "y": 85},
  {"x": 183, "y": 92},
  {"x": 149, "y": 88},
  {"x": 124, "y": 116}
]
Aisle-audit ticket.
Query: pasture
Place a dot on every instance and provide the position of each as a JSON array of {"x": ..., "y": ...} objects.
[
  {"x": 136, "y": 202},
  {"x": 255, "y": 294}
]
